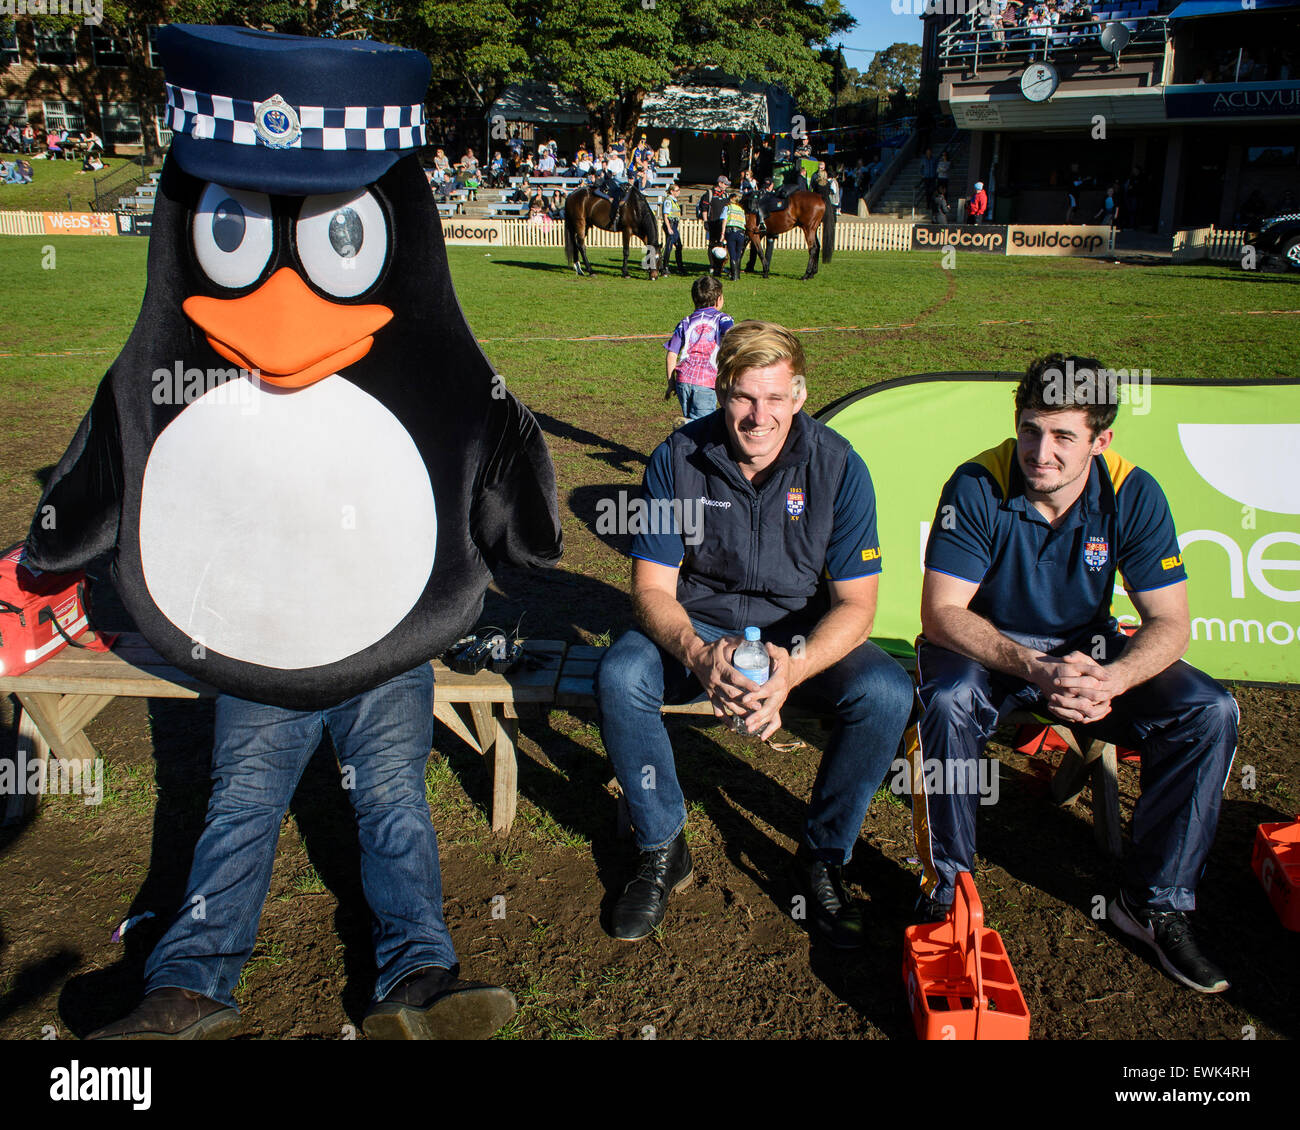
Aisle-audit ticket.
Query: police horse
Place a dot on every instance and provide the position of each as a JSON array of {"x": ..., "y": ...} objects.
[
  {"x": 804, "y": 210},
  {"x": 584, "y": 209}
]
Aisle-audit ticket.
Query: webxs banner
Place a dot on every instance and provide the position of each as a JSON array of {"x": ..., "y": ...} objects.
[
  {"x": 79, "y": 223},
  {"x": 964, "y": 237},
  {"x": 473, "y": 232},
  {"x": 1226, "y": 454},
  {"x": 1060, "y": 239}
]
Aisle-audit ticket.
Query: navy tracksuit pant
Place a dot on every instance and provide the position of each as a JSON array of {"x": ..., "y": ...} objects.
[{"x": 1182, "y": 722}]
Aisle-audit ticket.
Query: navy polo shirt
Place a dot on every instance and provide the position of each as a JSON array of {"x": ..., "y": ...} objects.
[
  {"x": 759, "y": 555},
  {"x": 1040, "y": 581}
]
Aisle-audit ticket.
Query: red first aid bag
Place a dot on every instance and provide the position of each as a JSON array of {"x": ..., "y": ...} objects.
[{"x": 40, "y": 613}]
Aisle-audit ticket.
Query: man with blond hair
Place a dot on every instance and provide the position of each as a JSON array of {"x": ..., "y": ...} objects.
[{"x": 764, "y": 518}]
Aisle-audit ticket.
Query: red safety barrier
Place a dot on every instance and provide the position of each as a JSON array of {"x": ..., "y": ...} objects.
[
  {"x": 959, "y": 980},
  {"x": 1275, "y": 859}
]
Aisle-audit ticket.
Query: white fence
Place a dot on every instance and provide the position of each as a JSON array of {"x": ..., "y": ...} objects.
[
  {"x": 1207, "y": 243},
  {"x": 848, "y": 236},
  {"x": 22, "y": 223}
]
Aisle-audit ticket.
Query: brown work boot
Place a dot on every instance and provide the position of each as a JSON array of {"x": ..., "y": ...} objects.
[
  {"x": 173, "y": 1014},
  {"x": 433, "y": 1004}
]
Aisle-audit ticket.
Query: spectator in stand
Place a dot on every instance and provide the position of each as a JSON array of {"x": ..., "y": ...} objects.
[
  {"x": 522, "y": 193},
  {"x": 942, "y": 170},
  {"x": 440, "y": 161},
  {"x": 557, "y": 204},
  {"x": 616, "y": 166},
  {"x": 940, "y": 209},
  {"x": 644, "y": 174},
  {"x": 642, "y": 152},
  {"x": 1106, "y": 214},
  {"x": 747, "y": 182},
  {"x": 496, "y": 176},
  {"x": 546, "y": 163},
  {"x": 582, "y": 163},
  {"x": 978, "y": 205},
  {"x": 53, "y": 148},
  {"x": 663, "y": 159},
  {"x": 29, "y": 137},
  {"x": 14, "y": 138},
  {"x": 929, "y": 172}
]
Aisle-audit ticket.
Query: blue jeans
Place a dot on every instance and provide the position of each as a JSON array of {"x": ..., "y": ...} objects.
[
  {"x": 383, "y": 738},
  {"x": 870, "y": 695},
  {"x": 696, "y": 400}
]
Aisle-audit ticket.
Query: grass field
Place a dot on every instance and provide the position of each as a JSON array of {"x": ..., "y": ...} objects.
[
  {"x": 56, "y": 186},
  {"x": 730, "y": 961}
]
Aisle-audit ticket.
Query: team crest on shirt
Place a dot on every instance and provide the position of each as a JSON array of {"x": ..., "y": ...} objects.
[
  {"x": 794, "y": 502},
  {"x": 1096, "y": 552}
]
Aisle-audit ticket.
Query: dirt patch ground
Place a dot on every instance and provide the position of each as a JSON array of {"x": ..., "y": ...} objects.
[{"x": 730, "y": 962}]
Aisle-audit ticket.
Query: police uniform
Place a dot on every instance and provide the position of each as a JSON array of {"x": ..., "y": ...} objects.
[
  {"x": 1050, "y": 589},
  {"x": 735, "y": 229},
  {"x": 671, "y": 210},
  {"x": 759, "y": 556}
]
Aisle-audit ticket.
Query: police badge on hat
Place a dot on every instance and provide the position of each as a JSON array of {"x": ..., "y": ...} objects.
[
  {"x": 275, "y": 123},
  {"x": 1096, "y": 552}
]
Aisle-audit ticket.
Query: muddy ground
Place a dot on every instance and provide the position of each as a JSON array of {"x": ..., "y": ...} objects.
[{"x": 730, "y": 962}]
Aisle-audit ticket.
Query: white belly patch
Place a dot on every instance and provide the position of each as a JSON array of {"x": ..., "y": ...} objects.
[{"x": 286, "y": 528}]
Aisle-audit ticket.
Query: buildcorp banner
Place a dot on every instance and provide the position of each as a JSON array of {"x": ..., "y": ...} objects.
[
  {"x": 964, "y": 237},
  {"x": 1058, "y": 239},
  {"x": 1226, "y": 453}
]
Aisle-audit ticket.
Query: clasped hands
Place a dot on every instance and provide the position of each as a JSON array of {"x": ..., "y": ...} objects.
[
  {"x": 1078, "y": 688},
  {"x": 734, "y": 696}
]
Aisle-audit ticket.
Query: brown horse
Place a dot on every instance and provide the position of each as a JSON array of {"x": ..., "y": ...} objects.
[
  {"x": 584, "y": 209},
  {"x": 804, "y": 210}
]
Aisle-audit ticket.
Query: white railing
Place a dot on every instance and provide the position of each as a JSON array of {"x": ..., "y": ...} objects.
[
  {"x": 849, "y": 236},
  {"x": 22, "y": 223},
  {"x": 1207, "y": 243}
]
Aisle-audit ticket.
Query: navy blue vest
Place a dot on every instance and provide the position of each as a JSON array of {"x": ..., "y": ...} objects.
[{"x": 762, "y": 556}]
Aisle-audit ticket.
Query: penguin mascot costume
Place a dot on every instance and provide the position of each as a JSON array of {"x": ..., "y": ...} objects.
[
  {"x": 304, "y": 464},
  {"x": 304, "y": 469}
]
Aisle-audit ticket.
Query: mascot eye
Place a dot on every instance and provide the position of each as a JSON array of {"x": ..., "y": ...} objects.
[
  {"x": 342, "y": 241},
  {"x": 232, "y": 235}
]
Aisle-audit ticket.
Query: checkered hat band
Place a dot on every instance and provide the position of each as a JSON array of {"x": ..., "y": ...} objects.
[{"x": 217, "y": 117}]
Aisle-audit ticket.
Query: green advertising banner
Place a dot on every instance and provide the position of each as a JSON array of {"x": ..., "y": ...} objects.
[{"x": 1227, "y": 454}]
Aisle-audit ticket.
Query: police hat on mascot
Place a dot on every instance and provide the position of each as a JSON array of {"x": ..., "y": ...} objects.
[{"x": 301, "y": 462}]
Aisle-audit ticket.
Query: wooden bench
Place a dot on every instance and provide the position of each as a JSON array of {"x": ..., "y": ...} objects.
[
  {"x": 1097, "y": 761},
  {"x": 59, "y": 698}
]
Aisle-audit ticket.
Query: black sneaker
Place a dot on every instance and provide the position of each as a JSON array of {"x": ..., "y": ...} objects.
[
  {"x": 928, "y": 910},
  {"x": 644, "y": 901},
  {"x": 830, "y": 909},
  {"x": 1170, "y": 934}
]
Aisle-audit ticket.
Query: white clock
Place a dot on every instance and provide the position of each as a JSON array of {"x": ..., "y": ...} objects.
[{"x": 1039, "y": 82}]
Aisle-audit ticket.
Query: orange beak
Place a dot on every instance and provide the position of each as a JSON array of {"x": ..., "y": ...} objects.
[{"x": 285, "y": 331}]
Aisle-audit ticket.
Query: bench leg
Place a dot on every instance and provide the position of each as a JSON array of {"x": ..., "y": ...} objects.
[
  {"x": 505, "y": 775},
  {"x": 1105, "y": 800},
  {"x": 1072, "y": 774},
  {"x": 31, "y": 747}
]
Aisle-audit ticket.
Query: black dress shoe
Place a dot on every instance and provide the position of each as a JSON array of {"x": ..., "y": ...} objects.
[
  {"x": 433, "y": 1004},
  {"x": 640, "y": 908},
  {"x": 830, "y": 910},
  {"x": 172, "y": 1014}
]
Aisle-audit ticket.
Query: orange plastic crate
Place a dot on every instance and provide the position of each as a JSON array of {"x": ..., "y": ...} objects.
[
  {"x": 1275, "y": 859},
  {"x": 960, "y": 983}
]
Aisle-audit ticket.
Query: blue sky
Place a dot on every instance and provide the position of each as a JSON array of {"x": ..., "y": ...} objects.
[{"x": 877, "y": 28}]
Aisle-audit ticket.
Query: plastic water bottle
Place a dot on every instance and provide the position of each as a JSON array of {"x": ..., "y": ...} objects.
[{"x": 752, "y": 661}]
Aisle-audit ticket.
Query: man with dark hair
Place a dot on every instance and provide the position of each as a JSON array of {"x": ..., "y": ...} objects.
[
  {"x": 1015, "y": 614},
  {"x": 777, "y": 531}
]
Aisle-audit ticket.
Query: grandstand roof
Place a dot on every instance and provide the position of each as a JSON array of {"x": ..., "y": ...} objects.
[
  {"x": 531, "y": 101},
  {"x": 1190, "y": 8},
  {"x": 741, "y": 108}
]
